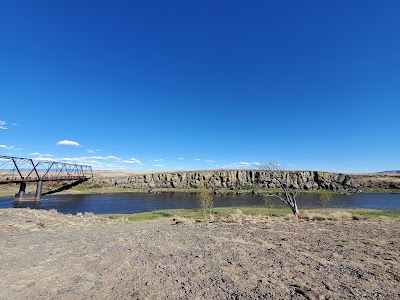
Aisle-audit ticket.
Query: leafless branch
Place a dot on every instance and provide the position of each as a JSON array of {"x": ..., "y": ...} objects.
[{"x": 276, "y": 171}]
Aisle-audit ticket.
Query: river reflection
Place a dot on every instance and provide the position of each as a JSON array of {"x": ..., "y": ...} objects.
[{"x": 134, "y": 202}]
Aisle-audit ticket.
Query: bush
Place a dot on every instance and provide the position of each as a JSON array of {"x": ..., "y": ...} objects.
[
  {"x": 325, "y": 198},
  {"x": 268, "y": 201},
  {"x": 235, "y": 217},
  {"x": 247, "y": 187},
  {"x": 205, "y": 201}
]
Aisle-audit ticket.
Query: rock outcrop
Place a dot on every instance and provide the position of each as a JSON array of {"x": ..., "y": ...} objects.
[{"x": 233, "y": 179}]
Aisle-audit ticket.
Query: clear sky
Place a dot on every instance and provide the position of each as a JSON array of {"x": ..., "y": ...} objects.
[{"x": 157, "y": 85}]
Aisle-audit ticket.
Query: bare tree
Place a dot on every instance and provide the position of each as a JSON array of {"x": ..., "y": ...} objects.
[{"x": 289, "y": 196}]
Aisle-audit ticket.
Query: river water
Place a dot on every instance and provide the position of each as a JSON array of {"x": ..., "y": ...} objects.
[{"x": 134, "y": 202}]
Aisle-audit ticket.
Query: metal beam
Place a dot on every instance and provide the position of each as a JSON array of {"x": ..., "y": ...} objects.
[{"x": 25, "y": 167}]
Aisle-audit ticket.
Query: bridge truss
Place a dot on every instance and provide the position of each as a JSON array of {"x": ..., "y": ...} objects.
[{"x": 18, "y": 170}]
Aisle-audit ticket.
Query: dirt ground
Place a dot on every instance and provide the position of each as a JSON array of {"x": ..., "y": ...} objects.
[{"x": 47, "y": 255}]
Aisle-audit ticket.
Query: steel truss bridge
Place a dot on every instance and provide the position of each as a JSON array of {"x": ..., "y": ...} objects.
[{"x": 23, "y": 170}]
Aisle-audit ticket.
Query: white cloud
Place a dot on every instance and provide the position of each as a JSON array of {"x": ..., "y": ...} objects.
[
  {"x": 93, "y": 150},
  {"x": 109, "y": 162},
  {"x": 197, "y": 159},
  {"x": 110, "y": 157},
  {"x": 42, "y": 159},
  {"x": 4, "y": 123},
  {"x": 158, "y": 165},
  {"x": 180, "y": 158},
  {"x": 158, "y": 159},
  {"x": 243, "y": 164},
  {"x": 247, "y": 164},
  {"x": 68, "y": 143},
  {"x": 5, "y": 147},
  {"x": 132, "y": 161},
  {"x": 209, "y": 161},
  {"x": 39, "y": 154},
  {"x": 96, "y": 162}
]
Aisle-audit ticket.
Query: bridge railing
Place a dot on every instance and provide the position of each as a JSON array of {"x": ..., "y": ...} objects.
[{"x": 18, "y": 169}]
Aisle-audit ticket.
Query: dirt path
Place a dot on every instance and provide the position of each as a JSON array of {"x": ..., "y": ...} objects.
[{"x": 46, "y": 255}]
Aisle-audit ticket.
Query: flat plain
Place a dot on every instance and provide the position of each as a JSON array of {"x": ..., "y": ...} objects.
[{"x": 47, "y": 255}]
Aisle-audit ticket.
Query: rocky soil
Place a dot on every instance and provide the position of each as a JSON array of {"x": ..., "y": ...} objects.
[{"x": 47, "y": 255}]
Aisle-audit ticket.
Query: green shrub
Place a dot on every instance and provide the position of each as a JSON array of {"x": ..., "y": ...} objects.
[
  {"x": 205, "y": 201},
  {"x": 325, "y": 198},
  {"x": 247, "y": 187}
]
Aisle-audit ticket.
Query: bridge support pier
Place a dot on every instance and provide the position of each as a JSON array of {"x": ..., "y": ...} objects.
[
  {"x": 39, "y": 186},
  {"x": 21, "y": 192},
  {"x": 22, "y": 197}
]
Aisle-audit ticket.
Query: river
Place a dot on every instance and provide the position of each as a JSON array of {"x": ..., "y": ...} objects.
[{"x": 134, "y": 202}]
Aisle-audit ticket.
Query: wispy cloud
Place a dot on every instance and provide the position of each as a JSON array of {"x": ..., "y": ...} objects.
[
  {"x": 243, "y": 164},
  {"x": 158, "y": 165},
  {"x": 180, "y": 158},
  {"x": 110, "y": 157},
  {"x": 109, "y": 162},
  {"x": 93, "y": 150},
  {"x": 5, "y": 147},
  {"x": 132, "y": 161},
  {"x": 68, "y": 143},
  {"x": 96, "y": 162},
  {"x": 197, "y": 159},
  {"x": 3, "y": 124},
  {"x": 209, "y": 161},
  {"x": 40, "y": 155},
  {"x": 160, "y": 159}
]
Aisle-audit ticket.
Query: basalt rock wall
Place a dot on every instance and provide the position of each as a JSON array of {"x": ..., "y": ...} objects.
[{"x": 233, "y": 179}]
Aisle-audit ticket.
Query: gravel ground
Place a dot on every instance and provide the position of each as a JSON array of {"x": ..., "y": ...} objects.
[{"x": 47, "y": 255}]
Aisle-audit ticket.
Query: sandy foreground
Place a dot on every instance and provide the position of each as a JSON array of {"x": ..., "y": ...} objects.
[{"x": 47, "y": 255}]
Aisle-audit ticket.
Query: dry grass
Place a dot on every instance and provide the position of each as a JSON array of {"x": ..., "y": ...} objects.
[
  {"x": 235, "y": 217},
  {"x": 335, "y": 216},
  {"x": 378, "y": 178},
  {"x": 26, "y": 220},
  {"x": 340, "y": 215}
]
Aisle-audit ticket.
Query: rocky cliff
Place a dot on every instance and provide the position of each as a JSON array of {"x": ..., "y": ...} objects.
[{"x": 233, "y": 179}]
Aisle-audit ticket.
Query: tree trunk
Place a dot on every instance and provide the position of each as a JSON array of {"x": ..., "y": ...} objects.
[{"x": 295, "y": 209}]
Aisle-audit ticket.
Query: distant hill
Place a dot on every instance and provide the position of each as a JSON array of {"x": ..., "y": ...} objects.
[{"x": 390, "y": 172}]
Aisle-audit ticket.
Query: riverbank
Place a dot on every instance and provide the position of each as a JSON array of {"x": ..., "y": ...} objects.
[
  {"x": 221, "y": 181},
  {"x": 88, "y": 188},
  {"x": 216, "y": 213},
  {"x": 50, "y": 255}
]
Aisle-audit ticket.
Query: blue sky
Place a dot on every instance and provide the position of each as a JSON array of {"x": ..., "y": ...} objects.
[{"x": 157, "y": 85}]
